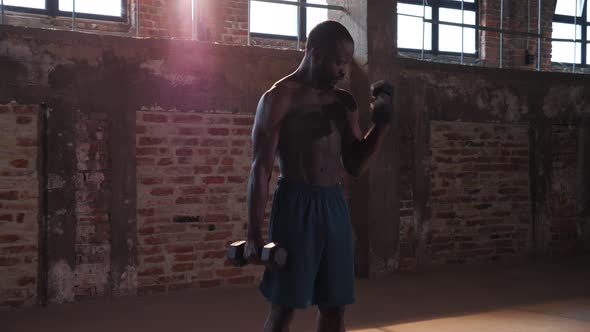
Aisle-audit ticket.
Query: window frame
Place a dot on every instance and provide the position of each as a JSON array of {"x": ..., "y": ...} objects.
[
  {"x": 52, "y": 9},
  {"x": 435, "y": 6},
  {"x": 301, "y": 29},
  {"x": 582, "y": 21}
]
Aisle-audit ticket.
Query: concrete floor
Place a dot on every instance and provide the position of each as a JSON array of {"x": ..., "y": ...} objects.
[{"x": 541, "y": 297}]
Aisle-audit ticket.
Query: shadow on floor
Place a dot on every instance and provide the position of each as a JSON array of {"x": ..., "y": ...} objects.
[{"x": 399, "y": 299}]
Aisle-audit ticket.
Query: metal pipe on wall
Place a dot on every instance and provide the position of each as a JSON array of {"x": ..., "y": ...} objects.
[
  {"x": 462, "y": 30},
  {"x": 575, "y": 37},
  {"x": 501, "y": 33},
  {"x": 423, "y": 27},
  {"x": 193, "y": 20},
  {"x": 2, "y": 8},
  {"x": 137, "y": 19},
  {"x": 73, "y": 15},
  {"x": 298, "y": 27},
  {"x": 249, "y": 22},
  {"x": 539, "y": 37}
]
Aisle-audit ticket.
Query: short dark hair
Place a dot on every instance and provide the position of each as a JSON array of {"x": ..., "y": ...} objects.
[{"x": 327, "y": 33}]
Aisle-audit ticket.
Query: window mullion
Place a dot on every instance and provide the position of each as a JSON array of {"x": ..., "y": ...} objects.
[
  {"x": 435, "y": 27},
  {"x": 52, "y": 7},
  {"x": 584, "y": 27},
  {"x": 302, "y": 28}
]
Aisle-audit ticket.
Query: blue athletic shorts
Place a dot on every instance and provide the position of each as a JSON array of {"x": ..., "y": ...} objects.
[{"x": 313, "y": 224}]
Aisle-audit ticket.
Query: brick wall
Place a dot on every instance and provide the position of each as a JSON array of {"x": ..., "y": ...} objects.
[
  {"x": 408, "y": 232},
  {"x": 18, "y": 204},
  {"x": 562, "y": 192},
  {"x": 192, "y": 171},
  {"x": 517, "y": 16},
  {"x": 92, "y": 188},
  {"x": 480, "y": 209}
]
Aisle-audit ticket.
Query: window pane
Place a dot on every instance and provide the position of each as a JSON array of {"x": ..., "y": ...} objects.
[
  {"x": 409, "y": 29},
  {"x": 566, "y": 31},
  {"x": 564, "y": 52},
  {"x": 568, "y": 7},
  {"x": 272, "y": 18},
  {"x": 316, "y": 16},
  {"x": 102, "y": 7},
  {"x": 37, "y": 4},
  {"x": 471, "y": 1},
  {"x": 450, "y": 36},
  {"x": 587, "y": 54}
]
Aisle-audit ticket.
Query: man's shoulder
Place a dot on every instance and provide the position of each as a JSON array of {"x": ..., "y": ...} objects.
[
  {"x": 285, "y": 87},
  {"x": 346, "y": 98}
]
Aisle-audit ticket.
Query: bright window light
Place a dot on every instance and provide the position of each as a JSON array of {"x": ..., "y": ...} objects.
[
  {"x": 273, "y": 18},
  {"x": 466, "y": 1},
  {"x": 410, "y": 29},
  {"x": 102, "y": 7},
  {"x": 564, "y": 52},
  {"x": 37, "y": 4},
  {"x": 568, "y": 7},
  {"x": 316, "y": 16},
  {"x": 566, "y": 31},
  {"x": 450, "y": 36}
]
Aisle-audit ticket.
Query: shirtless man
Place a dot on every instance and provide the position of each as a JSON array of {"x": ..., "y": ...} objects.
[{"x": 313, "y": 127}]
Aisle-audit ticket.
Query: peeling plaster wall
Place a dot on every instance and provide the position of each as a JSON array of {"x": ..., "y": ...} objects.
[
  {"x": 93, "y": 87},
  {"x": 543, "y": 106},
  {"x": 19, "y": 207}
]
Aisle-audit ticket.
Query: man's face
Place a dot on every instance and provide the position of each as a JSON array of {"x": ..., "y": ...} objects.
[{"x": 332, "y": 65}]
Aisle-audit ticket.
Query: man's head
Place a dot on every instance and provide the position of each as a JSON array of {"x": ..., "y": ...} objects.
[{"x": 331, "y": 48}]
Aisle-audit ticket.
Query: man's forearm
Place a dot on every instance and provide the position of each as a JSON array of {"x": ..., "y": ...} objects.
[
  {"x": 361, "y": 154},
  {"x": 257, "y": 199}
]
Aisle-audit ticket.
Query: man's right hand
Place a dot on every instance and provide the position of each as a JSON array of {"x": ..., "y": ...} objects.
[{"x": 253, "y": 249}]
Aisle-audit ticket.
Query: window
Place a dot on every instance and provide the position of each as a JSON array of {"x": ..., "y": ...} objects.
[
  {"x": 571, "y": 26},
  {"x": 438, "y": 38},
  {"x": 278, "y": 20},
  {"x": 103, "y": 9}
]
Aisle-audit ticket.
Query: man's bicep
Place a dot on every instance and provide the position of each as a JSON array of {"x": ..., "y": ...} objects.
[
  {"x": 266, "y": 132},
  {"x": 264, "y": 145}
]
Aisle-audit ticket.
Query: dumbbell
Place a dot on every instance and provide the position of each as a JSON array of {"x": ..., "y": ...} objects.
[{"x": 272, "y": 255}]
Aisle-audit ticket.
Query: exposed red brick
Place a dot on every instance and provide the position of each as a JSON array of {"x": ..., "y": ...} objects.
[
  {"x": 182, "y": 267},
  {"x": 22, "y": 141},
  {"x": 162, "y": 191},
  {"x": 218, "y": 131},
  {"x": 188, "y": 200},
  {"x": 192, "y": 190},
  {"x": 147, "y": 140},
  {"x": 187, "y": 118},
  {"x": 24, "y": 119},
  {"x": 151, "y": 271},
  {"x": 9, "y": 261},
  {"x": 228, "y": 273},
  {"x": 244, "y": 121},
  {"x": 155, "y": 117},
  {"x": 214, "y": 180},
  {"x": 213, "y": 236},
  {"x": 9, "y": 238}
]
